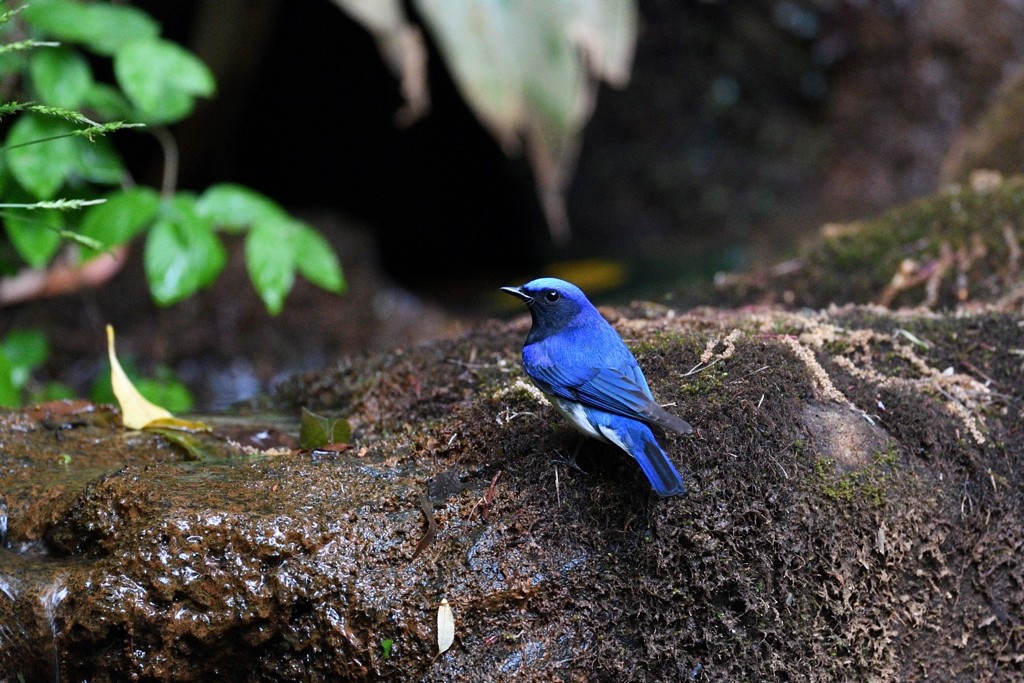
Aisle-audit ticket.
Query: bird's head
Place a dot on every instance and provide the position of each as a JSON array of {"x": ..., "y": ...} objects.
[{"x": 554, "y": 304}]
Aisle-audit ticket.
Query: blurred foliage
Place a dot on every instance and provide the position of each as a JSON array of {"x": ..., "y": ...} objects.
[
  {"x": 21, "y": 353},
  {"x": 529, "y": 70},
  {"x": 68, "y": 200},
  {"x": 56, "y": 158}
]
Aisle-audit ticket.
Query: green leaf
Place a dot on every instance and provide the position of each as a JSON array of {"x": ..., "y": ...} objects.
[
  {"x": 124, "y": 215},
  {"x": 61, "y": 76},
  {"x": 25, "y": 350},
  {"x": 316, "y": 430},
  {"x": 10, "y": 397},
  {"x": 270, "y": 260},
  {"x": 234, "y": 206},
  {"x": 196, "y": 448},
  {"x": 317, "y": 261},
  {"x": 312, "y": 429},
  {"x": 102, "y": 27},
  {"x": 162, "y": 79},
  {"x": 108, "y": 102},
  {"x": 41, "y": 168},
  {"x": 44, "y": 153},
  {"x": 182, "y": 253},
  {"x": 98, "y": 161},
  {"x": 34, "y": 234}
]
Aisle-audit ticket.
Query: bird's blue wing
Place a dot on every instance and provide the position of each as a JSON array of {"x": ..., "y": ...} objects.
[
  {"x": 552, "y": 380},
  {"x": 613, "y": 391},
  {"x": 609, "y": 390}
]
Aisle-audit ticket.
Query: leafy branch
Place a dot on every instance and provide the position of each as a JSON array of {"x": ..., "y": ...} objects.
[{"x": 59, "y": 144}]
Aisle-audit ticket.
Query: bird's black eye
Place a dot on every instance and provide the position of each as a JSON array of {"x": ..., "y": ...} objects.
[{"x": 552, "y": 296}]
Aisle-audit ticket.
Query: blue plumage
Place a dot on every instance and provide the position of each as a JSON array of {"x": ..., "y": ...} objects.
[{"x": 575, "y": 357}]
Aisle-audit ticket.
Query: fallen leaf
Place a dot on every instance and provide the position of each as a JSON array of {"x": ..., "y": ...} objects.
[
  {"x": 196, "y": 449},
  {"x": 136, "y": 410},
  {"x": 445, "y": 627},
  {"x": 317, "y": 431},
  {"x": 178, "y": 425}
]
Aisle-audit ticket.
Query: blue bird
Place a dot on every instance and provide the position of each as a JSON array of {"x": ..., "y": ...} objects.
[{"x": 581, "y": 363}]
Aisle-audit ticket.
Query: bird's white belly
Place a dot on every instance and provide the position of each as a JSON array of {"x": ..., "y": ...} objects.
[{"x": 574, "y": 413}]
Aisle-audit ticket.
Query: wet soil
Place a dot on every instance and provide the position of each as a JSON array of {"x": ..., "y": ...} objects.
[{"x": 854, "y": 512}]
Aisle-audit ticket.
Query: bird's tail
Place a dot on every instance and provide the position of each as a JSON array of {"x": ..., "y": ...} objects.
[{"x": 653, "y": 460}]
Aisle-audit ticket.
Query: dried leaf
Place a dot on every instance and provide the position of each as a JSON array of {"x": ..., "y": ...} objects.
[
  {"x": 445, "y": 627},
  {"x": 401, "y": 43},
  {"x": 136, "y": 411}
]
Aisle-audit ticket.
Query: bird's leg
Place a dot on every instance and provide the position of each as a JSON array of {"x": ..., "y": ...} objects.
[{"x": 571, "y": 460}]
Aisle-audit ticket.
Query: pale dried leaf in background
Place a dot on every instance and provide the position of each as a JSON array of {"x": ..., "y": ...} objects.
[
  {"x": 401, "y": 44},
  {"x": 528, "y": 69}
]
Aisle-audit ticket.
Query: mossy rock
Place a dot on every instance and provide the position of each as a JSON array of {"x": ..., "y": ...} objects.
[
  {"x": 961, "y": 245},
  {"x": 853, "y": 513}
]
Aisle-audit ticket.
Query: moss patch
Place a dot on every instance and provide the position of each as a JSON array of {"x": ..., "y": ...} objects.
[{"x": 868, "y": 483}]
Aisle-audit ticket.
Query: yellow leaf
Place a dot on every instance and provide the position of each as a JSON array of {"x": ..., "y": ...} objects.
[
  {"x": 136, "y": 411},
  {"x": 179, "y": 425},
  {"x": 445, "y": 627}
]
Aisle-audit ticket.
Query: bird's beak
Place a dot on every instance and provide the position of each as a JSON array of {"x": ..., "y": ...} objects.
[{"x": 518, "y": 292}]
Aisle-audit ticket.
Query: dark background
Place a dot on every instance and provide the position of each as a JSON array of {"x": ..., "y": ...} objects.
[{"x": 744, "y": 121}]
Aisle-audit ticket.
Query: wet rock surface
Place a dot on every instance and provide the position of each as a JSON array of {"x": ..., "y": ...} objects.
[{"x": 854, "y": 512}]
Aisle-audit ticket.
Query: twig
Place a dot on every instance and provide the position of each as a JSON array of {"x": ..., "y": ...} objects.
[
  {"x": 487, "y": 498},
  {"x": 697, "y": 368},
  {"x": 750, "y": 374},
  {"x": 558, "y": 488},
  {"x": 973, "y": 368},
  {"x": 431, "y": 532}
]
